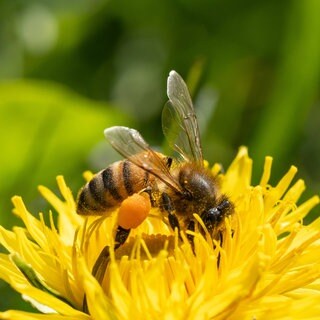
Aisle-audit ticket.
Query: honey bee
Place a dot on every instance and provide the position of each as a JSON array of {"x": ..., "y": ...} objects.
[{"x": 179, "y": 186}]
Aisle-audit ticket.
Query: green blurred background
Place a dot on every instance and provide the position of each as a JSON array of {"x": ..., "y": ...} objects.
[{"x": 68, "y": 69}]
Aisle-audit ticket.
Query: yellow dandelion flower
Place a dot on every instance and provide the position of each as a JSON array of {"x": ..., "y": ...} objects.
[{"x": 265, "y": 266}]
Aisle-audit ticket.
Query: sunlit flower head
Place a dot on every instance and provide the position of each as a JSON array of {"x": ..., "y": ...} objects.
[{"x": 266, "y": 264}]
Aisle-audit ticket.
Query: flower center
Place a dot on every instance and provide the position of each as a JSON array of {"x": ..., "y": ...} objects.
[{"x": 146, "y": 246}]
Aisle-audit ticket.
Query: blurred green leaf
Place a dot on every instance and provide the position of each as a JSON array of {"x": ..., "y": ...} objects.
[
  {"x": 295, "y": 88},
  {"x": 46, "y": 130}
]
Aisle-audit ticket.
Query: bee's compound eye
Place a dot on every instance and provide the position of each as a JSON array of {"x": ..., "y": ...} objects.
[{"x": 133, "y": 211}]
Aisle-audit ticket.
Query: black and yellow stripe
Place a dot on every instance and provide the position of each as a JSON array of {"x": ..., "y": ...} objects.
[{"x": 109, "y": 187}]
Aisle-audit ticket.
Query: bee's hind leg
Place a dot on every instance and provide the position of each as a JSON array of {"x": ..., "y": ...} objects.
[
  {"x": 102, "y": 262},
  {"x": 148, "y": 191}
]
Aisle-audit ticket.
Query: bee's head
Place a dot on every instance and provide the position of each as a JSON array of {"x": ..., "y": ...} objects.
[{"x": 212, "y": 217}]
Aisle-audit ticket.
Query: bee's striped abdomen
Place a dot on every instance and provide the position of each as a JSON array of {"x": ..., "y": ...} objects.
[
  {"x": 126, "y": 173},
  {"x": 109, "y": 187}
]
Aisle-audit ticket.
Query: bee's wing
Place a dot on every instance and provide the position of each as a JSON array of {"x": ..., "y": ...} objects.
[
  {"x": 179, "y": 121},
  {"x": 130, "y": 144}
]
